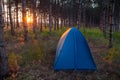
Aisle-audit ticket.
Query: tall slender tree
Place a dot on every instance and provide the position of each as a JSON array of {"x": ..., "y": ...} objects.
[
  {"x": 50, "y": 17},
  {"x": 3, "y": 56},
  {"x": 119, "y": 21},
  {"x": 84, "y": 18},
  {"x": 79, "y": 13},
  {"x": 34, "y": 18},
  {"x": 111, "y": 21},
  {"x": 7, "y": 14},
  {"x": 10, "y": 16},
  {"x": 24, "y": 20},
  {"x": 41, "y": 26},
  {"x": 16, "y": 4}
]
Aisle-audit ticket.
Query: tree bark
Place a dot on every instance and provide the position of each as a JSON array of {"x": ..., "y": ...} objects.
[
  {"x": 119, "y": 21},
  {"x": 84, "y": 17},
  {"x": 3, "y": 56},
  {"x": 41, "y": 23},
  {"x": 7, "y": 15},
  {"x": 79, "y": 16},
  {"x": 111, "y": 18},
  {"x": 17, "y": 21},
  {"x": 55, "y": 22},
  {"x": 45, "y": 21},
  {"x": 34, "y": 18},
  {"x": 50, "y": 17},
  {"x": 105, "y": 23},
  {"x": 14, "y": 23},
  {"x": 61, "y": 25},
  {"x": 24, "y": 20},
  {"x": 11, "y": 23}
]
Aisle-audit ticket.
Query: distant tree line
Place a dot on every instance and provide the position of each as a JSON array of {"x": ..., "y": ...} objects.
[{"x": 58, "y": 13}]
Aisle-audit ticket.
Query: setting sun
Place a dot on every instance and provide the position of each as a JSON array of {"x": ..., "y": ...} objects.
[{"x": 30, "y": 19}]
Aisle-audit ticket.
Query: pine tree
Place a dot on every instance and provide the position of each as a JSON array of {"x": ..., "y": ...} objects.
[
  {"x": 3, "y": 56},
  {"x": 24, "y": 20}
]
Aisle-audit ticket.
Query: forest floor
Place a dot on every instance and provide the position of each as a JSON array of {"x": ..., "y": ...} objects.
[{"x": 35, "y": 58}]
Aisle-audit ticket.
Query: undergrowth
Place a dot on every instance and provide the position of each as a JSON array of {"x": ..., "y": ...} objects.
[
  {"x": 35, "y": 50},
  {"x": 96, "y": 36},
  {"x": 14, "y": 60},
  {"x": 113, "y": 54},
  {"x": 32, "y": 51}
]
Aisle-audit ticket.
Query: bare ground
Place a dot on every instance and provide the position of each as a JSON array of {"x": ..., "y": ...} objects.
[{"x": 43, "y": 70}]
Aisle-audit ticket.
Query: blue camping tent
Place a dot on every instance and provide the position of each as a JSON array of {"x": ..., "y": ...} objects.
[{"x": 73, "y": 52}]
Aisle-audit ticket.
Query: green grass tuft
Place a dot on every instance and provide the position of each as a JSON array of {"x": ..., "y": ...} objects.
[
  {"x": 116, "y": 39},
  {"x": 113, "y": 55},
  {"x": 32, "y": 52},
  {"x": 95, "y": 35}
]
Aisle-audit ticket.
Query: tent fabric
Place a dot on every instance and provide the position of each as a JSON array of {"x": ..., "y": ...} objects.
[{"x": 73, "y": 52}]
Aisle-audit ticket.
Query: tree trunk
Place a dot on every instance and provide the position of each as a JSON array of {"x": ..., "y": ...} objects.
[
  {"x": 71, "y": 13},
  {"x": 64, "y": 23},
  {"x": 106, "y": 22},
  {"x": 24, "y": 20},
  {"x": 55, "y": 22},
  {"x": 45, "y": 21},
  {"x": 84, "y": 17},
  {"x": 3, "y": 8},
  {"x": 41, "y": 23},
  {"x": 50, "y": 17},
  {"x": 90, "y": 22},
  {"x": 3, "y": 56},
  {"x": 111, "y": 18},
  {"x": 61, "y": 25},
  {"x": 7, "y": 16},
  {"x": 14, "y": 23},
  {"x": 10, "y": 16},
  {"x": 79, "y": 16},
  {"x": 34, "y": 18},
  {"x": 69, "y": 24},
  {"x": 17, "y": 21},
  {"x": 119, "y": 21}
]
